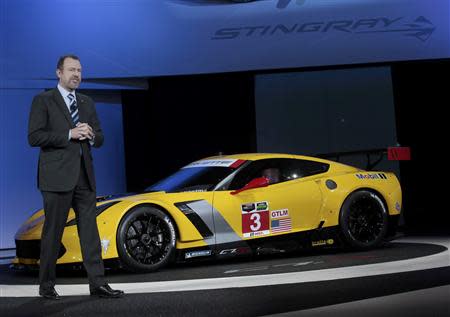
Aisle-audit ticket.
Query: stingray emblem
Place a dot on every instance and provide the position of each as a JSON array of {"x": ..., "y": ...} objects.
[{"x": 421, "y": 28}]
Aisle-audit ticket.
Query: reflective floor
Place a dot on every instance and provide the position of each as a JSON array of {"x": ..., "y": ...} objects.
[{"x": 408, "y": 272}]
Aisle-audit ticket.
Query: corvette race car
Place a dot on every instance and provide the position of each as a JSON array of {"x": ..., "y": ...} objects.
[{"x": 233, "y": 205}]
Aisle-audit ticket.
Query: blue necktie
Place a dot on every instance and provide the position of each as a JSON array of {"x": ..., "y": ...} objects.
[{"x": 73, "y": 109}]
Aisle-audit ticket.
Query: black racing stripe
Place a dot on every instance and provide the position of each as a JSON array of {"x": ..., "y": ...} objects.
[
  {"x": 194, "y": 218},
  {"x": 200, "y": 225}
]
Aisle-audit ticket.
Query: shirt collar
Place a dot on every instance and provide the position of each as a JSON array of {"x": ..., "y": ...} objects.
[{"x": 64, "y": 92}]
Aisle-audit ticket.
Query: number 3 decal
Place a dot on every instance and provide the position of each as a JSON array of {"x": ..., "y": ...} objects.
[
  {"x": 255, "y": 224},
  {"x": 256, "y": 218}
]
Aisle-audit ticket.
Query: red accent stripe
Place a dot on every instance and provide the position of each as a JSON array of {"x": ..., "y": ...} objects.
[{"x": 237, "y": 163}]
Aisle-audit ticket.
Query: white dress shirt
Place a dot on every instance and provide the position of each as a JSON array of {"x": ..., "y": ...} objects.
[{"x": 65, "y": 94}]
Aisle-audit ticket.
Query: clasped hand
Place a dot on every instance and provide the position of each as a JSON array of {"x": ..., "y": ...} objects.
[{"x": 82, "y": 131}]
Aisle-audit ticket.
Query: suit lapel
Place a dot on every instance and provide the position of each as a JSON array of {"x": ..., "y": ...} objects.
[{"x": 62, "y": 105}]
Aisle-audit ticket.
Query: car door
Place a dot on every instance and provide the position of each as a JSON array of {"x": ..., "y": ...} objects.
[{"x": 290, "y": 205}]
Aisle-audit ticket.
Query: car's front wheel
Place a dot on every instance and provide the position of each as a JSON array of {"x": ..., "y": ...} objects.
[
  {"x": 363, "y": 220},
  {"x": 145, "y": 239}
]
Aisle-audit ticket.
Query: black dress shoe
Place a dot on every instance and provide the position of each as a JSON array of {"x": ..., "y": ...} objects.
[
  {"x": 106, "y": 291},
  {"x": 49, "y": 293}
]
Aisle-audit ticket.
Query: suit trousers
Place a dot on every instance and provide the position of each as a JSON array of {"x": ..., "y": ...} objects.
[{"x": 56, "y": 207}]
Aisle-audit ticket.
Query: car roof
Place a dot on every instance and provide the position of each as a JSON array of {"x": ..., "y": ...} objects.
[
  {"x": 334, "y": 166},
  {"x": 261, "y": 156}
]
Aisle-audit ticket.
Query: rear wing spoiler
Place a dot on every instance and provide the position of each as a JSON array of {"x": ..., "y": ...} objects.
[{"x": 374, "y": 156}]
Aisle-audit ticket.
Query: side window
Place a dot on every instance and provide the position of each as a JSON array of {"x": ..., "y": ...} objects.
[
  {"x": 276, "y": 171},
  {"x": 252, "y": 171},
  {"x": 301, "y": 168}
]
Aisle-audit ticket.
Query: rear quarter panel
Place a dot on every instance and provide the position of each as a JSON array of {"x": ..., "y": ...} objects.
[{"x": 385, "y": 184}]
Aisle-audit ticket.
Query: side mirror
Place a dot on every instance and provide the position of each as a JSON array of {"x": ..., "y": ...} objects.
[{"x": 254, "y": 183}]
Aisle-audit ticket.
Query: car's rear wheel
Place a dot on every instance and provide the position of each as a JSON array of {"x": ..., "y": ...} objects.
[
  {"x": 363, "y": 220},
  {"x": 145, "y": 239}
]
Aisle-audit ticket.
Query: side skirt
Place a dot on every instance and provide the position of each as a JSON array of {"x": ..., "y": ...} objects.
[{"x": 312, "y": 239}]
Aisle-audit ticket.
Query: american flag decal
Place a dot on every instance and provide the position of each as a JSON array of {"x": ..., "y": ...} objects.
[{"x": 281, "y": 225}]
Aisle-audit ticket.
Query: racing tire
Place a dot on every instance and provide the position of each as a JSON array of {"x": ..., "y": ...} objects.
[
  {"x": 363, "y": 220},
  {"x": 146, "y": 239}
]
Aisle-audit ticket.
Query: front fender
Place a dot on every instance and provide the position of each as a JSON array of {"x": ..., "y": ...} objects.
[{"x": 108, "y": 222}]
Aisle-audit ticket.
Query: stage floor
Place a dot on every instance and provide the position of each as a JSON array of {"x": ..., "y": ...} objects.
[{"x": 410, "y": 275}]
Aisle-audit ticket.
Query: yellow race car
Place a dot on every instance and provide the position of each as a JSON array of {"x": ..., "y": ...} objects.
[{"x": 234, "y": 205}]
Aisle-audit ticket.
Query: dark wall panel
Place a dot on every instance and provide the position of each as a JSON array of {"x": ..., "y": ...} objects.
[
  {"x": 422, "y": 97},
  {"x": 325, "y": 111},
  {"x": 181, "y": 119}
]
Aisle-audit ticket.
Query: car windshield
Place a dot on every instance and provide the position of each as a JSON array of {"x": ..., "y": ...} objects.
[{"x": 202, "y": 178}]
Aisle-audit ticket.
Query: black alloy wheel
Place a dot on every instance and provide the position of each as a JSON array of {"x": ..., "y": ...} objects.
[
  {"x": 363, "y": 220},
  {"x": 146, "y": 239}
]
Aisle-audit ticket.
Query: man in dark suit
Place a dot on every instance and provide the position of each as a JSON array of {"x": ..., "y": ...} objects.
[{"x": 65, "y": 126}]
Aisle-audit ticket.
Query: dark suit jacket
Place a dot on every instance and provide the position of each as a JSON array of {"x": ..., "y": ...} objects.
[{"x": 59, "y": 157}]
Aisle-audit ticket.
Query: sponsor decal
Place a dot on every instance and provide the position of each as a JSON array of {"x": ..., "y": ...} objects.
[
  {"x": 255, "y": 207},
  {"x": 255, "y": 223},
  {"x": 255, "y": 219},
  {"x": 322, "y": 242},
  {"x": 281, "y": 225},
  {"x": 262, "y": 206},
  {"x": 275, "y": 214},
  {"x": 228, "y": 251},
  {"x": 398, "y": 207},
  {"x": 172, "y": 230},
  {"x": 248, "y": 207},
  {"x": 256, "y": 234},
  {"x": 371, "y": 176},
  {"x": 419, "y": 27},
  {"x": 194, "y": 254},
  {"x": 241, "y": 250},
  {"x": 212, "y": 163}
]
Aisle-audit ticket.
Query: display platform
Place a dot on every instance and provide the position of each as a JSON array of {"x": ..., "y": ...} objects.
[{"x": 252, "y": 286}]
